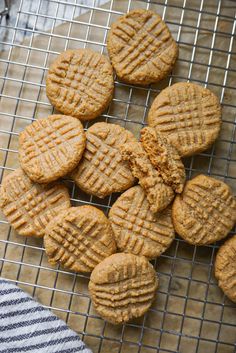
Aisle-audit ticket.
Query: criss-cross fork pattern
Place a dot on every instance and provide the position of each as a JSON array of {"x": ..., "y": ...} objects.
[
  {"x": 102, "y": 167},
  {"x": 81, "y": 78},
  {"x": 46, "y": 135},
  {"x": 117, "y": 295},
  {"x": 106, "y": 158},
  {"x": 193, "y": 110},
  {"x": 31, "y": 206},
  {"x": 51, "y": 147},
  {"x": 143, "y": 43},
  {"x": 187, "y": 117},
  {"x": 211, "y": 209},
  {"x": 137, "y": 228},
  {"x": 79, "y": 242},
  {"x": 73, "y": 246}
]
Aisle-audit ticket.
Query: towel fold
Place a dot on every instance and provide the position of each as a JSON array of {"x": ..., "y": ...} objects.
[{"x": 26, "y": 326}]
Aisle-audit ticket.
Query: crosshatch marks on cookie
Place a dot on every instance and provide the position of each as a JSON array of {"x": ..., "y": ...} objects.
[
  {"x": 189, "y": 115},
  {"x": 80, "y": 83},
  {"x": 225, "y": 268},
  {"x": 123, "y": 287},
  {"x": 79, "y": 238},
  {"x": 205, "y": 212},
  {"x": 50, "y": 148},
  {"x": 102, "y": 170},
  {"x": 141, "y": 47},
  {"x": 136, "y": 228},
  {"x": 28, "y": 206}
]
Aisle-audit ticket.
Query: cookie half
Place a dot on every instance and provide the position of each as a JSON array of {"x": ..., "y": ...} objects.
[
  {"x": 189, "y": 115},
  {"x": 159, "y": 195},
  {"x": 79, "y": 238},
  {"x": 225, "y": 268},
  {"x": 80, "y": 83},
  {"x": 205, "y": 212},
  {"x": 102, "y": 170},
  {"x": 141, "y": 47},
  {"x": 164, "y": 157},
  {"x": 137, "y": 229},
  {"x": 28, "y": 206},
  {"x": 50, "y": 148},
  {"x": 123, "y": 287}
]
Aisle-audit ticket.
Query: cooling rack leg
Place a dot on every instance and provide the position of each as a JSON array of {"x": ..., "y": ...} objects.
[{"x": 5, "y": 11}]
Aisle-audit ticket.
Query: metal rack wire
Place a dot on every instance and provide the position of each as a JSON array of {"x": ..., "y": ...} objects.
[{"x": 190, "y": 313}]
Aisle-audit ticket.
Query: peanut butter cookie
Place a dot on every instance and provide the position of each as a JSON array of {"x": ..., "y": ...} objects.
[
  {"x": 159, "y": 195},
  {"x": 141, "y": 47},
  {"x": 164, "y": 157},
  {"x": 225, "y": 268},
  {"x": 80, "y": 83},
  {"x": 123, "y": 287},
  {"x": 28, "y": 206},
  {"x": 136, "y": 228},
  {"x": 205, "y": 212},
  {"x": 189, "y": 115},
  {"x": 79, "y": 238},
  {"x": 50, "y": 148},
  {"x": 102, "y": 170}
]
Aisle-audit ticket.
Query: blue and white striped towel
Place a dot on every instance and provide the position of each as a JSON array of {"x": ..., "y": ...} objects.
[{"x": 26, "y": 326}]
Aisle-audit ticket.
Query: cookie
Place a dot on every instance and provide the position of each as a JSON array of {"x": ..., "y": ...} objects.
[
  {"x": 123, "y": 287},
  {"x": 164, "y": 157},
  {"x": 80, "y": 83},
  {"x": 205, "y": 212},
  {"x": 137, "y": 229},
  {"x": 79, "y": 238},
  {"x": 159, "y": 195},
  {"x": 189, "y": 115},
  {"x": 28, "y": 206},
  {"x": 225, "y": 268},
  {"x": 141, "y": 47},
  {"x": 50, "y": 148},
  {"x": 102, "y": 170}
]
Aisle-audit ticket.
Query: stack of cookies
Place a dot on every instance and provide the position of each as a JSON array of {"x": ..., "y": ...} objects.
[{"x": 184, "y": 119}]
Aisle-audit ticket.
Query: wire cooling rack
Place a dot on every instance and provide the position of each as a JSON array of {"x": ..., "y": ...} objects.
[{"x": 191, "y": 314}]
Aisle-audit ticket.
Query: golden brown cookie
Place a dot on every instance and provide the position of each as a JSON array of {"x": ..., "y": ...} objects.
[
  {"x": 79, "y": 238},
  {"x": 164, "y": 157},
  {"x": 50, "y": 148},
  {"x": 189, "y": 115},
  {"x": 28, "y": 206},
  {"x": 102, "y": 170},
  {"x": 141, "y": 47},
  {"x": 159, "y": 195},
  {"x": 205, "y": 212},
  {"x": 80, "y": 83},
  {"x": 136, "y": 228},
  {"x": 123, "y": 287},
  {"x": 225, "y": 268}
]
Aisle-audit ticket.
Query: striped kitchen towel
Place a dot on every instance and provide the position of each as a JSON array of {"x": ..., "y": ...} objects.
[{"x": 26, "y": 326}]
